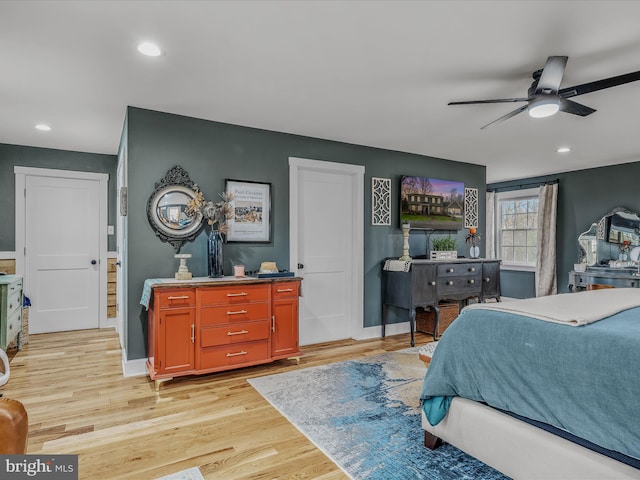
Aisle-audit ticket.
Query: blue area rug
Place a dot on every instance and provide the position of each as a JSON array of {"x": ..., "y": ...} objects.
[{"x": 365, "y": 415}]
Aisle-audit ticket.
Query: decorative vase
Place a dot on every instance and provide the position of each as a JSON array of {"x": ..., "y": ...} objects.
[
  {"x": 214, "y": 254},
  {"x": 474, "y": 252}
]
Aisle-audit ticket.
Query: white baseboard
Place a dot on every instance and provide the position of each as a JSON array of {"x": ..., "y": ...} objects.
[
  {"x": 391, "y": 329},
  {"x": 109, "y": 323},
  {"x": 134, "y": 368}
]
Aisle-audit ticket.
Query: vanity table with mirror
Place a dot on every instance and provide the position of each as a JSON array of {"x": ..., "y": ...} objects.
[{"x": 609, "y": 253}]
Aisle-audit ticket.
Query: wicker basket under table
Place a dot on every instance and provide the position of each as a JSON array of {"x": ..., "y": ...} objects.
[{"x": 425, "y": 319}]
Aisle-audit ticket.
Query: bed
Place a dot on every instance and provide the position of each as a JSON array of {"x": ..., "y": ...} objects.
[{"x": 541, "y": 388}]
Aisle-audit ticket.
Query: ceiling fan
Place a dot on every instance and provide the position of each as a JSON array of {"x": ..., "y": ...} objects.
[{"x": 545, "y": 97}]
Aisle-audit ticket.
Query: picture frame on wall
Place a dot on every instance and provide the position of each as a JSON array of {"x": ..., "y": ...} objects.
[{"x": 251, "y": 219}]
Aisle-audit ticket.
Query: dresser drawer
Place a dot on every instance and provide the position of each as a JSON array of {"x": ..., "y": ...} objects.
[
  {"x": 457, "y": 269},
  {"x": 14, "y": 299},
  {"x": 184, "y": 297},
  {"x": 225, "y": 314},
  {"x": 466, "y": 284},
  {"x": 282, "y": 290},
  {"x": 234, "y": 333},
  {"x": 234, "y": 294},
  {"x": 235, "y": 355},
  {"x": 14, "y": 325}
]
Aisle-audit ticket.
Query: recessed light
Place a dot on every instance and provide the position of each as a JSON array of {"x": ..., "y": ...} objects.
[
  {"x": 44, "y": 127},
  {"x": 563, "y": 150},
  {"x": 149, "y": 49}
]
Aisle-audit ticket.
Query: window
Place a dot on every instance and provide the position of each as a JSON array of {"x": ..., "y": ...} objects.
[{"x": 517, "y": 227}]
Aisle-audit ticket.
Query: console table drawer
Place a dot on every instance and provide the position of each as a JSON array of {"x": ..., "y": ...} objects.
[
  {"x": 621, "y": 282},
  {"x": 184, "y": 297},
  {"x": 234, "y": 333},
  {"x": 284, "y": 290},
  {"x": 238, "y": 354},
  {"x": 470, "y": 284},
  {"x": 234, "y": 313},
  {"x": 457, "y": 269},
  {"x": 234, "y": 294},
  {"x": 14, "y": 325},
  {"x": 14, "y": 301}
]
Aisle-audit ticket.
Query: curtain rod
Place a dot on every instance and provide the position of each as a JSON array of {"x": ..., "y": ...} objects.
[{"x": 521, "y": 186}]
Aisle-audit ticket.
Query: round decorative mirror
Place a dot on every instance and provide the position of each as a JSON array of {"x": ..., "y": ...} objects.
[{"x": 167, "y": 209}]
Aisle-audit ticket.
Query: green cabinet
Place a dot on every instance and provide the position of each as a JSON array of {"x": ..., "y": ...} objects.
[{"x": 10, "y": 309}]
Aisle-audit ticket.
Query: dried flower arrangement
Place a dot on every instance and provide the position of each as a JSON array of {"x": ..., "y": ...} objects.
[{"x": 216, "y": 214}]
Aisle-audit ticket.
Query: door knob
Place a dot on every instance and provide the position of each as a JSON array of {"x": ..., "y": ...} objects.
[
  {"x": 300, "y": 265},
  {"x": 93, "y": 262},
  {"x": 118, "y": 263}
]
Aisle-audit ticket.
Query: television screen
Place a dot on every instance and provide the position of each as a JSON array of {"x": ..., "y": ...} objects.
[{"x": 431, "y": 204}]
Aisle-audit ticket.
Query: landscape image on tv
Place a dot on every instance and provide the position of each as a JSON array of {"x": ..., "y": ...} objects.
[{"x": 431, "y": 204}]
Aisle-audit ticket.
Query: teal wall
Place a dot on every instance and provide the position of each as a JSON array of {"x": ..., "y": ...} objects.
[
  {"x": 584, "y": 196},
  {"x": 212, "y": 152},
  {"x": 16, "y": 155}
]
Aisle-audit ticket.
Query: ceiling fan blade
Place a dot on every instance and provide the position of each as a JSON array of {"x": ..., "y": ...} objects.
[
  {"x": 498, "y": 100},
  {"x": 552, "y": 73},
  {"x": 507, "y": 116},
  {"x": 569, "y": 106},
  {"x": 599, "y": 85}
]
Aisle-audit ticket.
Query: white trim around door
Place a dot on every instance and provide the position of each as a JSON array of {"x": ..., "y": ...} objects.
[
  {"x": 21, "y": 174},
  {"x": 356, "y": 261}
]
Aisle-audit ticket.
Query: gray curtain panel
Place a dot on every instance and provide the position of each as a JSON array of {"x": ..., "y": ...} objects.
[
  {"x": 546, "y": 278},
  {"x": 490, "y": 235}
]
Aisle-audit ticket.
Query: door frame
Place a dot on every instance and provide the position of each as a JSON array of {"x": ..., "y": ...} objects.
[
  {"x": 21, "y": 174},
  {"x": 356, "y": 262}
]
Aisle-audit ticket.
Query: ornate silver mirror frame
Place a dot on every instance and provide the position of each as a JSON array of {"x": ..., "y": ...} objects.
[{"x": 167, "y": 209}]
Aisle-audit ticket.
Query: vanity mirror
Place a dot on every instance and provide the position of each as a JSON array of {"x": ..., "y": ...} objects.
[
  {"x": 167, "y": 209},
  {"x": 615, "y": 233}
]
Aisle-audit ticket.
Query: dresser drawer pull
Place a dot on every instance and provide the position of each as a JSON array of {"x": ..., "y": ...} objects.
[
  {"x": 236, "y": 354},
  {"x": 193, "y": 333},
  {"x": 472, "y": 281},
  {"x": 432, "y": 283},
  {"x": 239, "y": 312},
  {"x": 241, "y": 332},
  {"x": 282, "y": 290},
  {"x": 487, "y": 279},
  {"x": 472, "y": 269},
  {"x": 449, "y": 283},
  {"x": 449, "y": 270},
  {"x": 178, "y": 297},
  {"x": 10, "y": 306},
  {"x": 241, "y": 294}
]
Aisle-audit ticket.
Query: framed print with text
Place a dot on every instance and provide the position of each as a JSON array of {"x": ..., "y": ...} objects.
[{"x": 251, "y": 220}]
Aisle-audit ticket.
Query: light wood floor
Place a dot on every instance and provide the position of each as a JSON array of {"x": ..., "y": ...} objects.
[{"x": 78, "y": 402}]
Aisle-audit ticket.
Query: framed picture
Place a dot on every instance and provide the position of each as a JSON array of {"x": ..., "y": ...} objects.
[
  {"x": 431, "y": 204},
  {"x": 251, "y": 219}
]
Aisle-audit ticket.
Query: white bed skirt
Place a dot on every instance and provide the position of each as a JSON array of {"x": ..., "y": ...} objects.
[{"x": 520, "y": 450}]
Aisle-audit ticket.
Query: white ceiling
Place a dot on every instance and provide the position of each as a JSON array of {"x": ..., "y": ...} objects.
[{"x": 363, "y": 72}]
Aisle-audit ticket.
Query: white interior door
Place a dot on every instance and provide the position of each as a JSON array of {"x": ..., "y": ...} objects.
[
  {"x": 326, "y": 223},
  {"x": 62, "y": 254}
]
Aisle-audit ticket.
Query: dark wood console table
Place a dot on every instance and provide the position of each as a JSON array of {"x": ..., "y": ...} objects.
[{"x": 428, "y": 282}]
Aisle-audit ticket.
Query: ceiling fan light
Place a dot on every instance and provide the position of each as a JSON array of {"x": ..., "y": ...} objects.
[{"x": 545, "y": 107}]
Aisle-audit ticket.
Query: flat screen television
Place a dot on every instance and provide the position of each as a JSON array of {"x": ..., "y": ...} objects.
[{"x": 431, "y": 204}]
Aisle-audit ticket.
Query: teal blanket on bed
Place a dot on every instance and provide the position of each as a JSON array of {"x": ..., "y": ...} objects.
[{"x": 584, "y": 380}]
